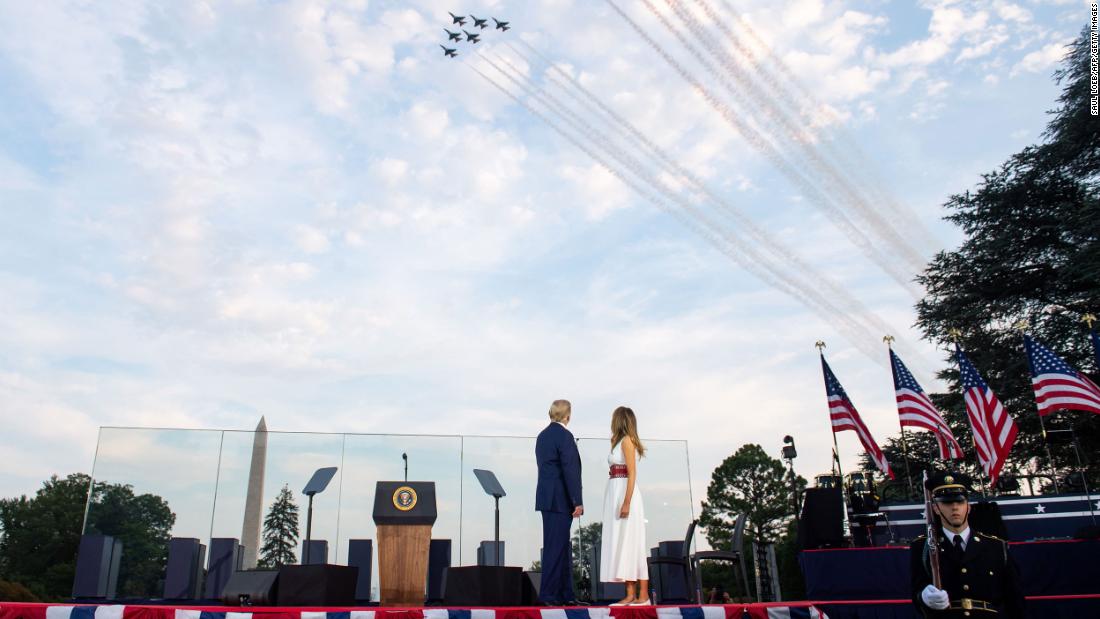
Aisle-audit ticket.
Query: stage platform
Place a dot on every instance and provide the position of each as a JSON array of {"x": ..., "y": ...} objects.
[
  {"x": 1060, "y": 578},
  {"x": 780, "y": 610}
]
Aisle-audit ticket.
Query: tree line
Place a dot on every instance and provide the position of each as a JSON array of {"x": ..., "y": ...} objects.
[
  {"x": 40, "y": 534},
  {"x": 1030, "y": 256}
]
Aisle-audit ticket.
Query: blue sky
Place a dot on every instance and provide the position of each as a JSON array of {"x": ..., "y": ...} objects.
[{"x": 215, "y": 211}]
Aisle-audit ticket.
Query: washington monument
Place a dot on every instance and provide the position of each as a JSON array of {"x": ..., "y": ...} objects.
[{"x": 254, "y": 502}]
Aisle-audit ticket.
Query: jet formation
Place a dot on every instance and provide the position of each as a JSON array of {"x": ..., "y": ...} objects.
[{"x": 473, "y": 38}]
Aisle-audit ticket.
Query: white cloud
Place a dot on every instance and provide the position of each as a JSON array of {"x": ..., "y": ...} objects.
[
  {"x": 990, "y": 41},
  {"x": 311, "y": 240},
  {"x": 428, "y": 120},
  {"x": 1040, "y": 59},
  {"x": 390, "y": 171},
  {"x": 1012, "y": 12},
  {"x": 802, "y": 13},
  {"x": 604, "y": 192}
]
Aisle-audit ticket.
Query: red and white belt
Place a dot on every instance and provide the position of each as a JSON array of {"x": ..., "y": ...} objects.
[{"x": 618, "y": 470}]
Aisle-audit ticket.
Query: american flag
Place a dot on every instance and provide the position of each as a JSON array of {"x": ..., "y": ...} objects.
[
  {"x": 994, "y": 430},
  {"x": 844, "y": 416},
  {"x": 1057, "y": 385},
  {"x": 917, "y": 411}
]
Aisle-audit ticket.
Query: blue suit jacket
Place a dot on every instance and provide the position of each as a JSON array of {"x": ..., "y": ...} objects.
[{"x": 559, "y": 486}]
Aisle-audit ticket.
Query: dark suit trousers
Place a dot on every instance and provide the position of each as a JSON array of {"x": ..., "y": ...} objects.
[{"x": 556, "y": 585}]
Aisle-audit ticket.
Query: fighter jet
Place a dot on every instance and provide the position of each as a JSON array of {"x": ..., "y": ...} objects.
[
  {"x": 461, "y": 21},
  {"x": 473, "y": 38},
  {"x": 454, "y": 36},
  {"x": 480, "y": 23},
  {"x": 501, "y": 25},
  {"x": 447, "y": 51}
]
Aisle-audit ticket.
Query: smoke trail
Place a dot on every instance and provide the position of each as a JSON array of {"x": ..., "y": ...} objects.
[
  {"x": 806, "y": 279},
  {"x": 798, "y": 140},
  {"x": 744, "y": 255},
  {"x": 761, "y": 143},
  {"x": 790, "y": 91},
  {"x": 577, "y": 140},
  {"x": 809, "y": 159}
]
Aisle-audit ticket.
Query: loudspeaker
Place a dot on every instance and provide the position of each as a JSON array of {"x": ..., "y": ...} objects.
[
  {"x": 530, "y": 594},
  {"x": 439, "y": 559},
  {"x": 483, "y": 585},
  {"x": 486, "y": 553},
  {"x": 609, "y": 591},
  {"x": 317, "y": 585},
  {"x": 183, "y": 575},
  {"x": 671, "y": 584},
  {"x": 318, "y": 552},
  {"x": 97, "y": 562},
  {"x": 822, "y": 521},
  {"x": 361, "y": 556},
  {"x": 254, "y": 587},
  {"x": 225, "y": 558}
]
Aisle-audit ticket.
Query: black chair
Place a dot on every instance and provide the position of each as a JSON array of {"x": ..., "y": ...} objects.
[
  {"x": 734, "y": 555},
  {"x": 684, "y": 562}
]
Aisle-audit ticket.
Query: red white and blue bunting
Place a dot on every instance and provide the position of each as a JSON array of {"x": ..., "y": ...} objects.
[{"x": 728, "y": 611}]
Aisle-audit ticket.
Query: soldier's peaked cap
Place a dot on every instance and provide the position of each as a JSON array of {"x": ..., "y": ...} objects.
[{"x": 948, "y": 486}]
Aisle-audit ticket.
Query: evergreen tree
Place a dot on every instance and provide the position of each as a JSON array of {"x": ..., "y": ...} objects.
[
  {"x": 1031, "y": 253},
  {"x": 749, "y": 481},
  {"x": 280, "y": 532}
]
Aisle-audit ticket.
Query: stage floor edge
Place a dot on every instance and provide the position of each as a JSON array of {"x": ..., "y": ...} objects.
[{"x": 784, "y": 610}]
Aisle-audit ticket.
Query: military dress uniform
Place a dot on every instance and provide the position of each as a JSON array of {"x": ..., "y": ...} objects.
[{"x": 980, "y": 581}]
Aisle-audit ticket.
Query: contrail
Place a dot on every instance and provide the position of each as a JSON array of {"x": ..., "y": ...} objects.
[
  {"x": 806, "y": 279},
  {"x": 789, "y": 133},
  {"x": 791, "y": 93},
  {"x": 807, "y": 162},
  {"x": 747, "y": 256},
  {"x": 702, "y": 229},
  {"x": 761, "y": 143}
]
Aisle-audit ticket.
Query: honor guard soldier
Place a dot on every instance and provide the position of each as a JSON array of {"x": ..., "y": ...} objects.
[{"x": 977, "y": 576}]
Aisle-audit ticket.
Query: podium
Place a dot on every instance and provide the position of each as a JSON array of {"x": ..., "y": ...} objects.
[{"x": 404, "y": 513}]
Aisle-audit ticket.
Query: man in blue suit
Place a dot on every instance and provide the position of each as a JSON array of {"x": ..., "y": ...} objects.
[{"x": 558, "y": 498}]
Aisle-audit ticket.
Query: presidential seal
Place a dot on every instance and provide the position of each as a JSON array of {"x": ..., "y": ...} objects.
[{"x": 404, "y": 498}]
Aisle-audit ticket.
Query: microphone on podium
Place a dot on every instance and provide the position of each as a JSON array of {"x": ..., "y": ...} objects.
[{"x": 405, "y": 457}]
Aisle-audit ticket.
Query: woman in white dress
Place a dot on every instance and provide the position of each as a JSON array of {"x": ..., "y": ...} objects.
[{"x": 623, "y": 545}]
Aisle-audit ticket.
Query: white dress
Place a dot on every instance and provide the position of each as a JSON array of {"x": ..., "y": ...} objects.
[{"x": 622, "y": 545}]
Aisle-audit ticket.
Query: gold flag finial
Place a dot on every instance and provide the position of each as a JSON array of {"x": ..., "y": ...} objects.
[
  {"x": 1020, "y": 325},
  {"x": 955, "y": 334},
  {"x": 820, "y": 345},
  {"x": 889, "y": 339},
  {"x": 1088, "y": 319}
]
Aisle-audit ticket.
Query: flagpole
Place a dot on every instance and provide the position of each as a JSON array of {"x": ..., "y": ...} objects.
[
  {"x": 904, "y": 446},
  {"x": 1084, "y": 474},
  {"x": 820, "y": 345},
  {"x": 1021, "y": 326},
  {"x": 1088, "y": 319}
]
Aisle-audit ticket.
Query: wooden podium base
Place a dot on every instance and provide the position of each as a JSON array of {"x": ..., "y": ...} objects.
[{"x": 403, "y": 563}]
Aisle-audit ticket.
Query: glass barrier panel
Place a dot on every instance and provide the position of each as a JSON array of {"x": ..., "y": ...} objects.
[
  {"x": 152, "y": 485},
  {"x": 662, "y": 479},
  {"x": 291, "y": 459},
  {"x": 156, "y": 484},
  {"x": 512, "y": 460},
  {"x": 369, "y": 459}
]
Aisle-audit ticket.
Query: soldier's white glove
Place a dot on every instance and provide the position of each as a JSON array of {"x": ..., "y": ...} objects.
[{"x": 934, "y": 598}]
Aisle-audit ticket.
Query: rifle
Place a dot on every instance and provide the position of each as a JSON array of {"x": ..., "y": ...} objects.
[{"x": 933, "y": 536}]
